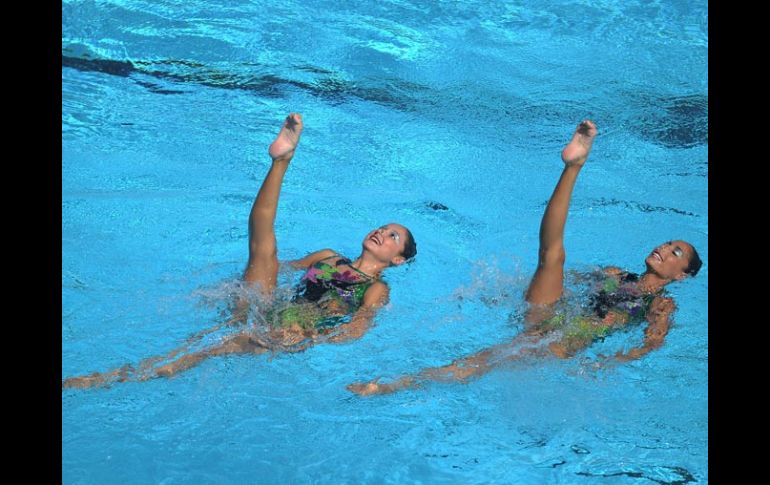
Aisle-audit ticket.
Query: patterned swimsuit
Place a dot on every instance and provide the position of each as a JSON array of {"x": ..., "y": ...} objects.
[
  {"x": 610, "y": 293},
  {"x": 326, "y": 294}
]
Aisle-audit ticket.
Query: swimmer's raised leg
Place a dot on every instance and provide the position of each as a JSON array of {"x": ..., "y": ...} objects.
[
  {"x": 547, "y": 283},
  {"x": 262, "y": 267}
]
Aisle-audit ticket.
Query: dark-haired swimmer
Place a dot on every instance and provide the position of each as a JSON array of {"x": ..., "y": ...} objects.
[
  {"x": 332, "y": 289},
  {"x": 618, "y": 298}
]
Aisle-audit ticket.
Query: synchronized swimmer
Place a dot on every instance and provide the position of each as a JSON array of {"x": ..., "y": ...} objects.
[
  {"x": 332, "y": 288},
  {"x": 618, "y": 298}
]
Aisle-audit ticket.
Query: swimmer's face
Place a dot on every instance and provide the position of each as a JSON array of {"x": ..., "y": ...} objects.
[
  {"x": 387, "y": 243},
  {"x": 670, "y": 260}
]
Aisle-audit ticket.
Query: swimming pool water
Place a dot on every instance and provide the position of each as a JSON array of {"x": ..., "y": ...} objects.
[{"x": 447, "y": 117}]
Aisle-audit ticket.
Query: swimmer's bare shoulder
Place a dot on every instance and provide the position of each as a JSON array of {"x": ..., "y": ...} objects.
[{"x": 312, "y": 258}]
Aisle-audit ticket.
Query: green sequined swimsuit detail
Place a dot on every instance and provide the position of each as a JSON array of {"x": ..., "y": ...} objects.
[
  {"x": 618, "y": 294},
  {"x": 328, "y": 292}
]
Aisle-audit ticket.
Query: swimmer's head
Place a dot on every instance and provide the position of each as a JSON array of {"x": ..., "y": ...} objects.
[
  {"x": 391, "y": 243},
  {"x": 674, "y": 260}
]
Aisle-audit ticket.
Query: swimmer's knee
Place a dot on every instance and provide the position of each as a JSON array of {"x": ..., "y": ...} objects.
[
  {"x": 552, "y": 257},
  {"x": 262, "y": 252}
]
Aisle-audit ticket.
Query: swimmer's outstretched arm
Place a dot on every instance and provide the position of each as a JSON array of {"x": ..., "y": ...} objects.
[
  {"x": 659, "y": 321},
  {"x": 375, "y": 297}
]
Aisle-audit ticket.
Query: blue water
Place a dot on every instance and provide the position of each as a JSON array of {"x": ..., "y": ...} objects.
[{"x": 167, "y": 111}]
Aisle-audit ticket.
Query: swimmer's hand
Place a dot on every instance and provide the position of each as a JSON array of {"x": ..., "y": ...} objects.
[
  {"x": 632, "y": 354},
  {"x": 344, "y": 335},
  {"x": 356, "y": 328}
]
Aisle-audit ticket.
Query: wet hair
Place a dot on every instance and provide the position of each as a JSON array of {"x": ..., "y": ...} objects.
[
  {"x": 410, "y": 247},
  {"x": 695, "y": 263}
]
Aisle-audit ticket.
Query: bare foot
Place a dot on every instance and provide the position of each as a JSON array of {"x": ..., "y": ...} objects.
[
  {"x": 285, "y": 143},
  {"x": 99, "y": 379},
  {"x": 577, "y": 150},
  {"x": 83, "y": 382}
]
